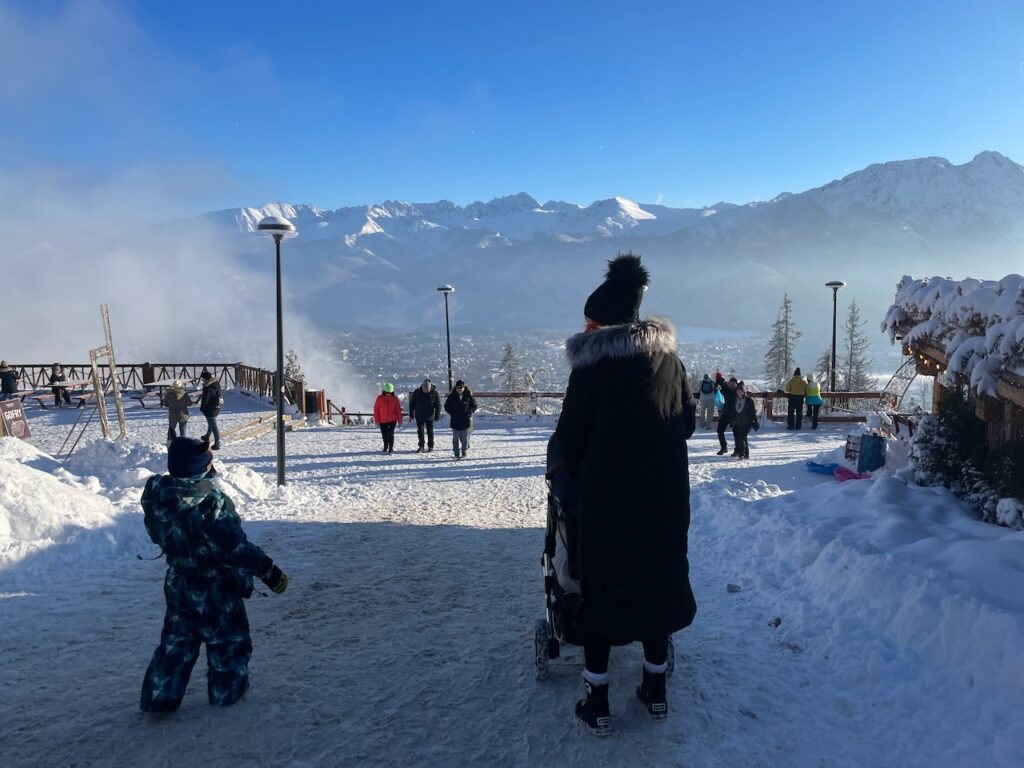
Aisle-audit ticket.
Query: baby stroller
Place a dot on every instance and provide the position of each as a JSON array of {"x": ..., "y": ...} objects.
[{"x": 562, "y": 592}]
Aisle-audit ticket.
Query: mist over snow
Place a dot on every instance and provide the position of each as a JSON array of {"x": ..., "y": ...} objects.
[{"x": 176, "y": 290}]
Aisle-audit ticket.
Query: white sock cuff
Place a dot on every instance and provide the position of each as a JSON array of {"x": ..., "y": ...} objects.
[
  {"x": 655, "y": 669},
  {"x": 594, "y": 678}
]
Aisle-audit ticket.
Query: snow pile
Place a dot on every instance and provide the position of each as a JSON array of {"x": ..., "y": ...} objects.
[
  {"x": 240, "y": 482},
  {"x": 865, "y": 573},
  {"x": 88, "y": 508},
  {"x": 1010, "y": 512},
  {"x": 118, "y": 464},
  {"x": 979, "y": 322},
  {"x": 39, "y": 511}
]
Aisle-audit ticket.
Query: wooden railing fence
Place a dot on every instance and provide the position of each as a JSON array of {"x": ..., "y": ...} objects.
[
  {"x": 837, "y": 407},
  {"x": 260, "y": 383},
  {"x": 131, "y": 376}
]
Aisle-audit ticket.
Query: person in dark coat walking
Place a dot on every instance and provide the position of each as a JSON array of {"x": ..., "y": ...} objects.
[
  {"x": 210, "y": 565},
  {"x": 8, "y": 381},
  {"x": 425, "y": 407},
  {"x": 728, "y": 412},
  {"x": 57, "y": 375},
  {"x": 627, "y": 415},
  {"x": 744, "y": 418},
  {"x": 209, "y": 405},
  {"x": 460, "y": 406}
]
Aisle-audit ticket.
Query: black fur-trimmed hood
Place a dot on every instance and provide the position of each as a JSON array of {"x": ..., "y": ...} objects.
[{"x": 648, "y": 337}]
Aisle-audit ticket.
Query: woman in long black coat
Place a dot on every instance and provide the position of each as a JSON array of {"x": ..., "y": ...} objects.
[{"x": 627, "y": 415}]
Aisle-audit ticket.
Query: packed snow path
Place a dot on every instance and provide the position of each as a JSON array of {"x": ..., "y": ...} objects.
[{"x": 406, "y": 634}]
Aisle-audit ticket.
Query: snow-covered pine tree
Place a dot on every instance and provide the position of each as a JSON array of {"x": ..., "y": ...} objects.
[
  {"x": 292, "y": 369},
  {"x": 853, "y": 369},
  {"x": 778, "y": 359},
  {"x": 823, "y": 369},
  {"x": 511, "y": 377}
]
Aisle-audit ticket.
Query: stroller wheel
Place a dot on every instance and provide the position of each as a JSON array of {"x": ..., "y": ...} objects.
[
  {"x": 540, "y": 649},
  {"x": 670, "y": 660}
]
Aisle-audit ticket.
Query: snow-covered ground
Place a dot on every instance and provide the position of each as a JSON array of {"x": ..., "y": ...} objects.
[{"x": 877, "y": 624}]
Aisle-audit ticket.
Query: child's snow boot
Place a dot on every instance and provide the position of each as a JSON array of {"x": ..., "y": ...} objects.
[
  {"x": 651, "y": 693},
  {"x": 592, "y": 712}
]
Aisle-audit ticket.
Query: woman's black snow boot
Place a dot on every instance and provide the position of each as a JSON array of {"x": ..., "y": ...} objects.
[
  {"x": 592, "y": 712},
  {"x": 651, "y": 693}
]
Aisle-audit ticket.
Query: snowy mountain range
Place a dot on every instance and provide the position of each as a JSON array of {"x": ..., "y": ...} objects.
[{"x": 517, "y": 262}]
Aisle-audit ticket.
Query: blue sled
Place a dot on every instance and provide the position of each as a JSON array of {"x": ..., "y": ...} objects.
[{"x": 822, "y": 469}]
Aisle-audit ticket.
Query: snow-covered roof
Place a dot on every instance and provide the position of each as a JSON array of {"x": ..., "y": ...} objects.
[{"x": 979, "y": 323}]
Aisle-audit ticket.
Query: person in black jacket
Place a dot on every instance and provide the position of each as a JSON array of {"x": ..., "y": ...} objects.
[
  {"x": 627, "y": 414},
  {"x": 57, "y": 375},
  {"x": 744, "y": 416},
  {"x": 425, "y": 407},
  {"x": 8, "y": 381},
  {"x": 209, "y": 405},
  {"x": 728, "y": 412},
  {"x": 460, "y": 405}
]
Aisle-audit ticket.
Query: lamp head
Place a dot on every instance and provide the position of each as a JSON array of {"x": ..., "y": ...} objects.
[
  {"x": 277, "y": 227},
  {"x": 446, "y": 289},
  {"x": 835, "y": 285}
]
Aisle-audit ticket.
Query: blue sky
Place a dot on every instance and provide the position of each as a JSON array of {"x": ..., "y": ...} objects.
[{"x": 342, "y": 103}]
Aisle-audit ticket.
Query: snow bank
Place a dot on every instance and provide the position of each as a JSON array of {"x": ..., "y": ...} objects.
[
  {"x": 118, "y": 464},
  {"x": 40, "y": 511},
  {"x": 866, "y": 572},
  {"x": 87, "y": 508}
]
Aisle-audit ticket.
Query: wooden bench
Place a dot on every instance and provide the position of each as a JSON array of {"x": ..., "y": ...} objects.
[
  {"x": 42, "y": 399},
  {"x": 151, "y": 396}
]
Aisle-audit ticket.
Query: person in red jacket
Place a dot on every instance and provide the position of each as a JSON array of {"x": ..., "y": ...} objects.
[{"x": 387, "y": 413}]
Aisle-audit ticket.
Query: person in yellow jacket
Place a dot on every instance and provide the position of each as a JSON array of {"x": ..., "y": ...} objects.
[
  {"x": 814, "y": 400},
  {"x": 796, "y": 388}
]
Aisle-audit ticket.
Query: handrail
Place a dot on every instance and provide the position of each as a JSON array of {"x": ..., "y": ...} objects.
[
  {"x": 259, "y": 382},
  {"x": 130, "y": 376}
]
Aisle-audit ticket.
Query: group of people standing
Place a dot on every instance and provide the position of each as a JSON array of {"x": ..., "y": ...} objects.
[
  {"x": 177, "y": 401},
  {"x": 736, "y": 410},
  {"x": 800, "y": 392},
  {"x": 425, "y": 408}
]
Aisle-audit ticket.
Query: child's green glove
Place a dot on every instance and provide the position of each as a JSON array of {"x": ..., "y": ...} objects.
[{"x": 275, "y": 579}]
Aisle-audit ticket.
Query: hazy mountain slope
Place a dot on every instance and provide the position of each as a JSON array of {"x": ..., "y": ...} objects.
[{"x": 515, "y": 261}]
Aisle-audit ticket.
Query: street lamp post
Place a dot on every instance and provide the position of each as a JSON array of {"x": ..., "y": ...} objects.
[
  {"x": 278, "y": 228},
  {"x": 835, "y": 285},
  {"x": 446, "y": 289}
]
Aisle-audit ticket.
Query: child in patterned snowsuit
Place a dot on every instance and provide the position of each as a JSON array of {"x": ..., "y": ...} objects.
[{"x": 210, "y": 565}]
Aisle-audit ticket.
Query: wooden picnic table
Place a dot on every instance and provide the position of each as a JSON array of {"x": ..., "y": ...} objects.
[
  {"x": 168, "y": 383},
  {"x": 163, "y": 384},
  {"x": 70, "y": 384}
]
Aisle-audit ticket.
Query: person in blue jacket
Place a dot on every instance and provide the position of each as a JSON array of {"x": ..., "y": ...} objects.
[
  {"x": 210, "y": 565},
  {"x": 813, "y": 399}
]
